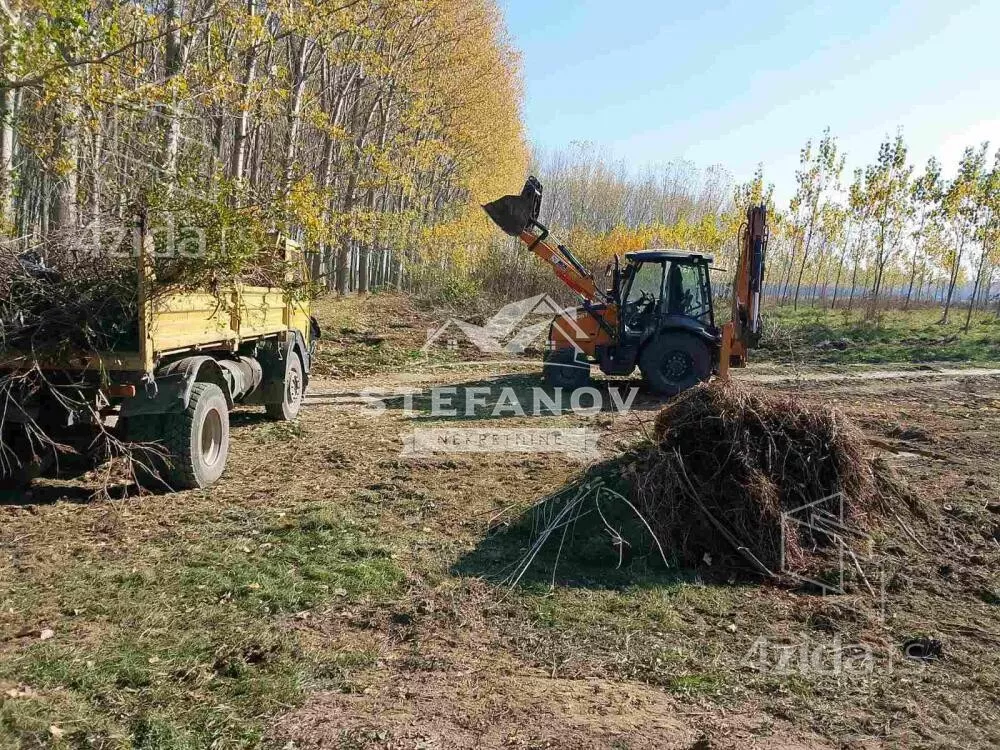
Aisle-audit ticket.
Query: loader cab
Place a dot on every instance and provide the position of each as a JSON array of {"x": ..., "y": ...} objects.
[{"x": 664, "y": 287}]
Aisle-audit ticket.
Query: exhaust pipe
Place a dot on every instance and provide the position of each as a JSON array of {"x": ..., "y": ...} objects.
[{"x": 516, "y": 213}]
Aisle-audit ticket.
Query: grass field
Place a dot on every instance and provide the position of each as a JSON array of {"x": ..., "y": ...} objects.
[
  {"x": 165, "y": 630},
  {"x": 837, "y": 337},
  {"x": 331, "y": 593}
]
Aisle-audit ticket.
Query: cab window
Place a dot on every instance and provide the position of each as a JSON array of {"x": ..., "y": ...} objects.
[
  {"x": 687, "y": 291},
  {"x": 647, "y": 280}
]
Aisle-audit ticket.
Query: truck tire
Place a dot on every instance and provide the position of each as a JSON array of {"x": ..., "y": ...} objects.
[
  {"x": 562, "y": 369},
  {"x": 292, "y": 389},
  {"x": 674, "y": 362},
  {"x": 196, "y": 440}
]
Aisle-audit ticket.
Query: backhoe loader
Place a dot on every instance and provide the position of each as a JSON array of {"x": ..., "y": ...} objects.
[{"x": 658, "y": 314}]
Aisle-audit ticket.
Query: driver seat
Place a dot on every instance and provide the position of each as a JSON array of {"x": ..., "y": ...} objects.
[{"x": 675, "y": 291}]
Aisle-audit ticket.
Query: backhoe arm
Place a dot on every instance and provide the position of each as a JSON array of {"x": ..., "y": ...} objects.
[
  {"x": 565, "y": 266},
  {"x": 742, "y": 333}
]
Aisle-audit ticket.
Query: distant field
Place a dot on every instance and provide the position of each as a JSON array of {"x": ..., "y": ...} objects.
[
  {"x": 358, "y": 340},
  {"x": 837, "y": 337}
]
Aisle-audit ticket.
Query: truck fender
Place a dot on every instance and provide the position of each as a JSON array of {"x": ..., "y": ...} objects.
[
  {"x": 169, "y": 390},
  {"x": 294, "y": 344}
]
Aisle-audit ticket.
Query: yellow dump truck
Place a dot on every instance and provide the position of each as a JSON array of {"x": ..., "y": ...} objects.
[{"x": 198, "y": 355}]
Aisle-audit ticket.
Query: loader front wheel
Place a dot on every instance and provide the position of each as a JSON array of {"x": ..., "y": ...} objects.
[
  {"x": 196, "y": 440},
  {"x": 561, "y": 368},
  {"x": 674, "y": 362}
]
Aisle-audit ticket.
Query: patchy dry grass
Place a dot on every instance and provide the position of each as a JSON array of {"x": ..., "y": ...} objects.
[
  {"x": 176, "y": 639},
  {"x": 332, "y": 592},
  {"x": 366, "y": 336}
]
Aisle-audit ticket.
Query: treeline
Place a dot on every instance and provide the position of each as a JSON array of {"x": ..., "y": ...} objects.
[
  {"x": 368, "y": 129},
  {"x": 599, "y": 208},
  {"x": 891, "y": 235},
  {"x": 894, "y": 233},
  {"x": 584, "y": 191}
]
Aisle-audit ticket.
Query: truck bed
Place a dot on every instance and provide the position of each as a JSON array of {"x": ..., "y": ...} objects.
[
  {"x": 184, "y": 320},
  {"x": 174, "y": 321}
]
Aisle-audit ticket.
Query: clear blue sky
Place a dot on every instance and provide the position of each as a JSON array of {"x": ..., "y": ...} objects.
[{"x": 740, "y": 83}]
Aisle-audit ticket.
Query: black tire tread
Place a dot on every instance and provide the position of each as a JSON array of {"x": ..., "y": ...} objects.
[
  {"x": 663, "y": 343},
  {"x": 276, "y": 410},
  {"x": 175, "y": 437}
]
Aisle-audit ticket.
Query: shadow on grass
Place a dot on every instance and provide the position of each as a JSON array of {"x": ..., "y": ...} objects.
[
  {"x": 603, "y": 544},
  {"x": 245, "y": 418}
]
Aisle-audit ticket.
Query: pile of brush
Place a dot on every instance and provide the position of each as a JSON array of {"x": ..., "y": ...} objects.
[
  {"x": 732, "y": 479},
  {"x": 91, "y": 306},
  {"x": 736, "y": 474}
]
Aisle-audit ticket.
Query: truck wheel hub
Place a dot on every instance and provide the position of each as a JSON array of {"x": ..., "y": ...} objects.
[
  {"x": 211, "y": 438},
  {"x": 294, "y": 387}
]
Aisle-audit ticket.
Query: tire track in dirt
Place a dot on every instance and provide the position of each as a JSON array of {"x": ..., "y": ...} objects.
[{"x": 362, "y": 390}]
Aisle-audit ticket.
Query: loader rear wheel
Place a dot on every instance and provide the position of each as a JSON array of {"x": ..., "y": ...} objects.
[
  {"x": 292, "y": 390},
  {"x": 195, "y": 440},
  {"x": 561, "y": 368},
  {"x": 674, "y": 362}
]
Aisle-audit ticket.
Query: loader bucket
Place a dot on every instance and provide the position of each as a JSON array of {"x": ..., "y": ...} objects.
[{"x": 515, "y": 213}]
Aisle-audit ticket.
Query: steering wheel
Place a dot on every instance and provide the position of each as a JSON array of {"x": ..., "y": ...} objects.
[{"x": 641, "y": 306}]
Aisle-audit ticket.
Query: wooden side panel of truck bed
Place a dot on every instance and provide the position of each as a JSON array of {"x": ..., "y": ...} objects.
[
  {"x": 181, "y": 321},
  {"x": 193, "y": 320}
]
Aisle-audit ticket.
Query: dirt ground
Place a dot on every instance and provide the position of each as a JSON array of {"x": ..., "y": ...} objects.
[{"x": 435, "y": 652}]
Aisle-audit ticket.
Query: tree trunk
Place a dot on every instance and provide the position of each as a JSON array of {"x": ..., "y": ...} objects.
[
  {"x": 854, "y": 285},
  {"x": 913, "y": 277},
  {"x": 298, "y": 61},
  {"x": 952, "y": 281},
  {"x": 241, "y": 136},
  {"x": 173, "y": 64},
  {"x": 975, "y": 287},
  {"x": 94, "y": 196},
  {"x": 805, "y": 254},
  {"x": 65, "y": 215},
  {"x": 7, "y": 103},
  {"x": 836, "y": 284}
]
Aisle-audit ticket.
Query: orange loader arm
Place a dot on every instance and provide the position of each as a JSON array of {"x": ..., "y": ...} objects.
[
  {"x": 517, "y": 215},
  {"x": 743, "y": 332},
  {"x": 581, "y": 283}
]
